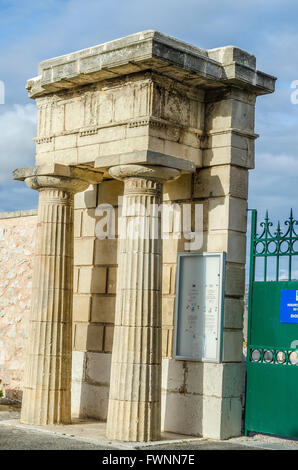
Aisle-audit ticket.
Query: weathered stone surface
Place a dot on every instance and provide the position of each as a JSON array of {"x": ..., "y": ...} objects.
[
  {"x": 43, "y": 404},
  {"x": 93, "y": 280},
  {"x": 86, "y": 199},
  {"x": 90, "y": 384},
  {"x": 89, "y": 401},
  {"x": 108, "y": 339},
  {"x": 221, "y": 180},
  {"x": 88, "y": 337},
  {"x": 234, "y": 310},
  {"x": 135, "y": 391},
  {"x": 205, "y": 398},
  {"x": 144, "y": 158},
  {"x": 73, "y": 177},
  {"x": 109, "y": 191},
  {"x": 83, "y": 251},
  {"x": 232, "y": 346},
  {"x": 103, "y": 309},
  {"x": 17, "y": 240},
  {"x": 48, "y": 364},
  {"x": 147, "y": 50},
  {"x": 145, "y": 100}
]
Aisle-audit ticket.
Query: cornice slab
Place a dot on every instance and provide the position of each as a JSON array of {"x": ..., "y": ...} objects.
[
  {"x": 151, "y": 50},
  {"x": 59, "y": 170}
]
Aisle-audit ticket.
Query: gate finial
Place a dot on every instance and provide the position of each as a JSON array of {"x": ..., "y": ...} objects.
[
  {"x": 291, "y": 215},
  {"x": 278, "y": 232}
]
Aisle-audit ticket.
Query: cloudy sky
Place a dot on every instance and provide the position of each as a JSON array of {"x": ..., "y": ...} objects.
[{"x": 34, "y": 30}]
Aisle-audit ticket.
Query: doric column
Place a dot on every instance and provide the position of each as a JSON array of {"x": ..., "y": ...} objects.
[
  {"x": 47, "y": 383},
  {"x": 135, "y": 387}
]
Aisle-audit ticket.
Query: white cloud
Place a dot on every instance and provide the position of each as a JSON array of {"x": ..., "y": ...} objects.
[
  {"x": 279, "y": 165},
  {"x": 33, "y": 30},
  {"x": 278, "y": 53},
  {"x": 17, "y": 196},
  {"x": 273, "y": 185},
  {"x": 17, "y": 127}
]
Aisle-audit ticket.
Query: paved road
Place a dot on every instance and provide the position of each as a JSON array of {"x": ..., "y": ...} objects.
[
  {"x": 205, "y": 445},
  {"x": 12, "y": 438}
]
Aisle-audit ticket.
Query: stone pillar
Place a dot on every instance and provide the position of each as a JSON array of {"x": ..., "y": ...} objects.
[
  {"x": 47, "y": 384},
  {"x": 135, "y": 387},
  {"x": 227, "y": 157}
]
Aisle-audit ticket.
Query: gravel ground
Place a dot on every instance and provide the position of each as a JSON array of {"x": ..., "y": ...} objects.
[
  {"x": 12, "y": 438},
  {"x": 203, "y": 445},
  {"x": 267, "y": 438},
  {"x": 15, "y": 438}
]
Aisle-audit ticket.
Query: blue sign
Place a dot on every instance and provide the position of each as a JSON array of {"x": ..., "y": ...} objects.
[{"x": 289, "y": 306}]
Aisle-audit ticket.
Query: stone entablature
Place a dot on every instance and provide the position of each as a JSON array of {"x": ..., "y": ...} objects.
[
  {"x": 146, "y": 91},
  {"x": 146, "y": 112}
]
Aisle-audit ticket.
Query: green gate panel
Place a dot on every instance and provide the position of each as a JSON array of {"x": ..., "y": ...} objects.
[
  {"x": 272, "y": 348},
  {"x": 271, "y": 393},
  {"x": 271, "y": 405},
  {"x": 265, "y": 325}
]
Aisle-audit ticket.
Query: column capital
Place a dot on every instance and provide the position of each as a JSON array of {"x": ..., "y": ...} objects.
[
  {"x": 156, "y": 173},
  {"x": 55, "y": 175},
  {"x": 62, "y": 183}
]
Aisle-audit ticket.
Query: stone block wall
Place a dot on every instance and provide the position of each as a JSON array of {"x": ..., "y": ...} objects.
[
  {"x": 95, "y": 270},
  {"x": 198, "y": 398},
  {"x": 221, "y": 186},
  {"x": 95, "y": 275},
  {"x": 17, "y": 233},
  {"x": 94, "y": 305}
]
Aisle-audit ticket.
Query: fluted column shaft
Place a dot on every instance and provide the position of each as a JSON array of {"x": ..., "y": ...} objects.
[
  {"x": 47, "y": 385},
  {"x": 134, "y": 412}
]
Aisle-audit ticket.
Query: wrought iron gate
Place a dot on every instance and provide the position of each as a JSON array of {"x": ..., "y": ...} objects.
[{"x": 272, "y": 343}]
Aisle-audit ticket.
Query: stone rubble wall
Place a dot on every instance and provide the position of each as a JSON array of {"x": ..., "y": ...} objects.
[{"x": 17, "y": 233}]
